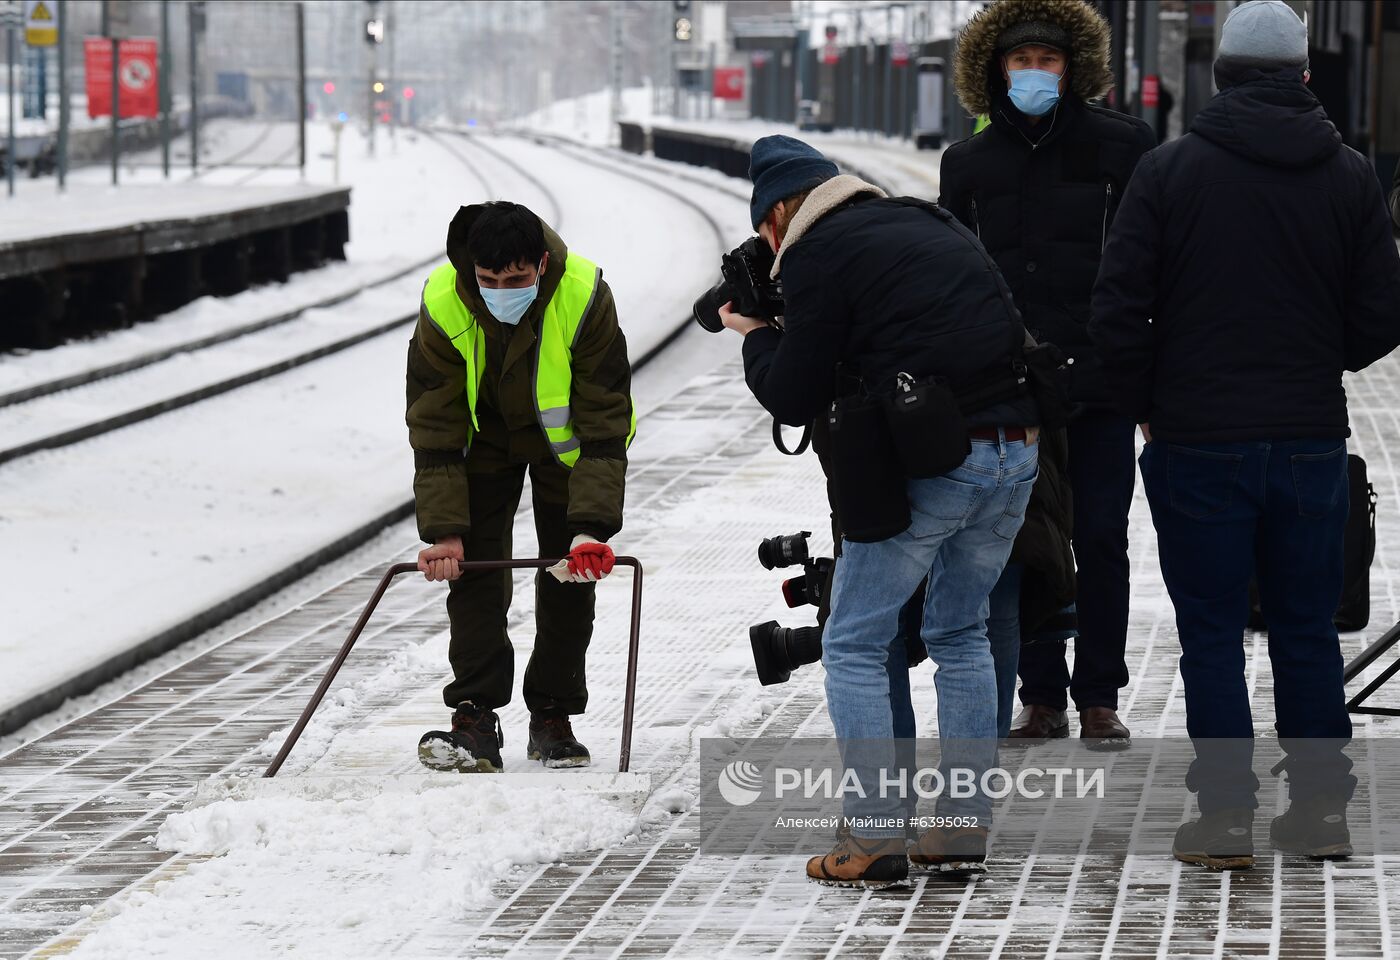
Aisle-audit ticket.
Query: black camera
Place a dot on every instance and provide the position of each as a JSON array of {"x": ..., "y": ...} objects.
[
  {"x": 783, "y": 551},
  {"x": 745, "y": 271},
  {"x": 779, "y": 650}
]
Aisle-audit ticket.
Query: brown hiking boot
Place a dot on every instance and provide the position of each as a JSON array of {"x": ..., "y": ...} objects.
[
  {"x": 955, "y": 851},
  {"x": 552, "y": 741},
  {"x": 1038, "y": 722},
  {"x": 1101, "y": 725},
  {"x": 861, "y": 862},
  {"x": 473, "y": 745}
]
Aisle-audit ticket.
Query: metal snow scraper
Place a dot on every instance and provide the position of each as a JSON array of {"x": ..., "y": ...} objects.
[{"x": 623, "y": 787}]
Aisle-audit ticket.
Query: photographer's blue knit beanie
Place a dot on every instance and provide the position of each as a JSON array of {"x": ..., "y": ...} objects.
[{"x": 780, "y": 167}]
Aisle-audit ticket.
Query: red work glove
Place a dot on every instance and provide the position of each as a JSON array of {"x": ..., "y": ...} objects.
[{"x": 589, "y": 560}]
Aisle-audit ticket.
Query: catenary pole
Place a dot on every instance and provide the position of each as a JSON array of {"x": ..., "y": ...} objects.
[
  {"x": 1150, "y": 12},
  {"x": 64, "y": 116},
  {"x": 10, "y": 56},
  {"x": 301, "y": 88},
  {"x": 165, "y": 88},
  {"x": 115, "y": 43},
  {"x": 195, "y": 12}
]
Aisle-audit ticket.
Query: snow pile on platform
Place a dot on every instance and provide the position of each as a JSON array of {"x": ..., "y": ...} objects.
[{"x": 348, "y": 875}]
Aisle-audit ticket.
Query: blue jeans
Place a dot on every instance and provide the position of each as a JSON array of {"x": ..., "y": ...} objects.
[
  {"x": 1004, "y": 636},
  {"x": 1003, "y": 633},
  {"x": 960, "y": 538},
  {"x": 1225, "y": 512}
]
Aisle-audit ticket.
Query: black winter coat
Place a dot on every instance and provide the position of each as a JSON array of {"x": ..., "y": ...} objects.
[
  {"x": 1251, "y": 263},
  {"x": 880, "y": 287},
  {"x": 1043, "y": 208},
  {"x": 1395, "y": 198}
]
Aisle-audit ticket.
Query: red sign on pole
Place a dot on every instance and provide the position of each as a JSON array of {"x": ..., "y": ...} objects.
[
  {"x": 899, "y": 53},
  {"x": 1150, "y": 90},
  {"x": 137, "y": 60},
  {"x": 729, "y": 83}
]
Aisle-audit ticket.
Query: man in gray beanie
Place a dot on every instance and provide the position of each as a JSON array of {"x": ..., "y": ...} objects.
[{"x": 1250, "y": 265}]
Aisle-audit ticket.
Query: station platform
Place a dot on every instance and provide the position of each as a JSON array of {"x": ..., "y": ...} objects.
[
  {"x": 98, "y": 258},
  {"x": 891, "y": 163},
  {"x": 87, "y": 869}
]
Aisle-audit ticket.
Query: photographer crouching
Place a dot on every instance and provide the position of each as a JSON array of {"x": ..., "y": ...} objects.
[{"x": 898, "y": 329}]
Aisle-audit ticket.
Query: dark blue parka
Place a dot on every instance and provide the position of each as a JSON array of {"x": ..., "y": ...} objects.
[{"x": 1251, "y": 263}]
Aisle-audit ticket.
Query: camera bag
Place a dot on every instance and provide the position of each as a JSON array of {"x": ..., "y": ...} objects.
[
  {"x": 868, "y": 482},
  {"x": 1358, "y": 551},
  {"x": 927, "y": 429}
]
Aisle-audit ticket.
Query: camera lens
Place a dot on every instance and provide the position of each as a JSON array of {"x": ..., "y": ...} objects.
[
  {"x": 706, "y": 309},
  {"x": 784, "y": 551},
  {"x": 777, "y": 650}
]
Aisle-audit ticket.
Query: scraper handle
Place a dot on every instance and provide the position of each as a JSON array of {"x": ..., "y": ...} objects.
[{"x": 634, "y": 642}]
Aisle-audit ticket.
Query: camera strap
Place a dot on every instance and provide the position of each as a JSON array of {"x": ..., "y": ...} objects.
[{"x": 802, "y": 444}]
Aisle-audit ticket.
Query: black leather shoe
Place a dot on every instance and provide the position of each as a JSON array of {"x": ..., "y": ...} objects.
[
  {"x": 1038, "y": 722},
  {"x": 1102, "y": 726}
]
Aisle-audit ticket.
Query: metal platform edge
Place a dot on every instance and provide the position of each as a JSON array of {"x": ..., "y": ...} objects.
[{"x": 14, "y": 717}]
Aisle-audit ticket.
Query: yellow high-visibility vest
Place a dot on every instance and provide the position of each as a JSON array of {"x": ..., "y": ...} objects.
[{"x": 559, "y": 331}]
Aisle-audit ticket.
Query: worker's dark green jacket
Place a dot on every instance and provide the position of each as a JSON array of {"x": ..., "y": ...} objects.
[{"x": 447, "y": 449}]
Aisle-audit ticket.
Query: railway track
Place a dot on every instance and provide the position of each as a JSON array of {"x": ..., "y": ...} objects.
[{"x": 121, "y": 409}]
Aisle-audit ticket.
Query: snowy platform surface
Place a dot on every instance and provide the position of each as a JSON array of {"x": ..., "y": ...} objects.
[{"x": 94, "y": 864}]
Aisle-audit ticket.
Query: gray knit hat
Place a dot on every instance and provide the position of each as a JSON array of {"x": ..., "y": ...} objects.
[{"x": 1265, "y": 34}]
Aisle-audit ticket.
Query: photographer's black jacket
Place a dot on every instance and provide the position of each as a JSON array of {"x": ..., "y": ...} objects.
[
  {"x": 1251, "y": 264},
  {"x": 880, "y": 287},
  {"x": 1042, "y": 200}
]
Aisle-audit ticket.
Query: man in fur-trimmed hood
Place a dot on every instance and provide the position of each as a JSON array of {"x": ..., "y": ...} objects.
[{"x": 1040, "y": 188}]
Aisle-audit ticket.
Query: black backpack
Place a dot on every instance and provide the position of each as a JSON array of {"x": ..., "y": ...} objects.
[{"x": 1359, "y": 549}]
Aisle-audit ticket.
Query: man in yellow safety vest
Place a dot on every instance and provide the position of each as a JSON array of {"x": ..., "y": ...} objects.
[{"x": 517, "y": 365}]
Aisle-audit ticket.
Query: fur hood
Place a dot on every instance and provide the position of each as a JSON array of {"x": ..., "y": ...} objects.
[
  {"x": 823, "y": 199},
  {"x": 976, "y": 76}
]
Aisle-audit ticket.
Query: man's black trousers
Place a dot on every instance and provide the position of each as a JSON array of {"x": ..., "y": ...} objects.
[
  {"x": 1102, "y": 472},
  {"x": 483, "y": 661}
]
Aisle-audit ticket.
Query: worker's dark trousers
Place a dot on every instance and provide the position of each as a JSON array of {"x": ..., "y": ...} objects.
[{"x": 483, "y": 661}]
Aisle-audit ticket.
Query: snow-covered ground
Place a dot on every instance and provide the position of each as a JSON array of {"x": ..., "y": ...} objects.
[
  {"x": 112, "y": 540},
  {"x": 496, "y": 869}
]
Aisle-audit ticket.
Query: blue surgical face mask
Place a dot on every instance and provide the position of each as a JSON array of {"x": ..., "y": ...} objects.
[
  {"x": 508, "y": 305},
  {"x": 1034, "y": 92}
]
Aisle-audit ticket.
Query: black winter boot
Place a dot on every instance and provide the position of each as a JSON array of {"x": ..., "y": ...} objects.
[
  {"x": 1315, "y": 827},
  {"x": 552, "y": 741},
  {"x": 473, "y": 745},
  {"x": 1221, "y": 840}
]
